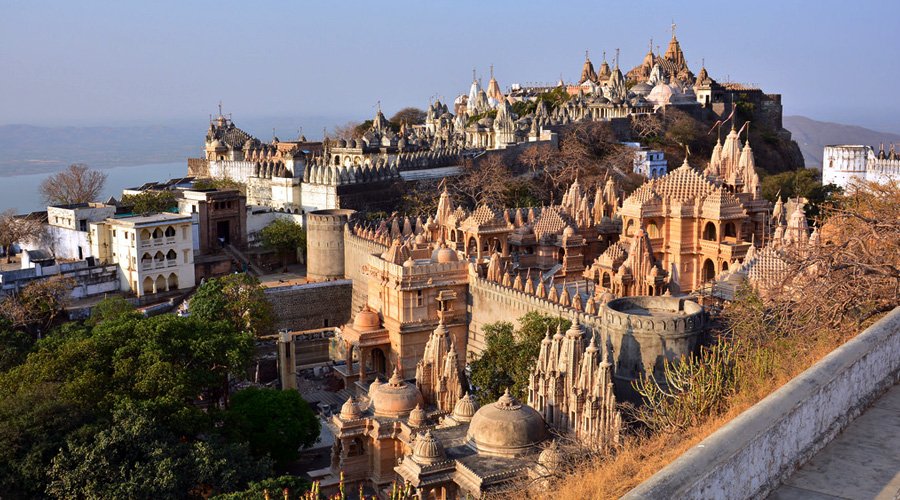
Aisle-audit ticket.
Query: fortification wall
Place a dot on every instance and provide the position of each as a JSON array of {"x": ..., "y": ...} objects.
[
  {"x": 311, "y": 306},
  {"x": 325, "y": 243},
  {"x": 755, "y": 452},
  {"x": 198, "y": 167},
  {"x": 356, "y": 255},
  {"x": 639, "y": 342}
]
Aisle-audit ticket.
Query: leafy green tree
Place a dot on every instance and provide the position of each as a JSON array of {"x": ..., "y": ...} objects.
[
  {"x": 14, "y": 345},
  {"x": 112, "y": 308},
  {"x": 238, "y": 299},
  {"x": 75, "y": 377},
  {"x": 136, "y": 457},
  {"x": 510, "y": 355},
  {"x": 285, "y": 236},
  {"x": 806, "y": 183},
  {"x": 256, "y": 490},
  {"x": 276, "y": 423},
  {"x": 148, "y": 202},
  {"x": 410, "y": 116}
]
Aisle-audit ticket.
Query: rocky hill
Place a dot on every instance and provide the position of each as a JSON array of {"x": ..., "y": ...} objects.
[{"x": 813, "y": 135}]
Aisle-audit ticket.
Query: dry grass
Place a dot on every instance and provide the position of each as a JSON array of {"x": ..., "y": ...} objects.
[{"x": 643, "y": 456}]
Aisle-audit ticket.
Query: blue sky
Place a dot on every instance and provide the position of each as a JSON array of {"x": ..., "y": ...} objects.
[{"x": 87, "y": 62}]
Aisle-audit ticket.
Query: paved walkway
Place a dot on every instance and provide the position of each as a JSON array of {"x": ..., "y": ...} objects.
[{"x": 862, "y": 462}]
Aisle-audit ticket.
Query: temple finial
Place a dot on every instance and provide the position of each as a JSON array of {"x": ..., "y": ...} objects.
[
  {"x": 673, "y": 29},
  {"x": 492, "y": 71}
]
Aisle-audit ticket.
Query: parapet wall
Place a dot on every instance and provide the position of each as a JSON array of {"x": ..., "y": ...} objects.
[{"x": 755, "y": 452}]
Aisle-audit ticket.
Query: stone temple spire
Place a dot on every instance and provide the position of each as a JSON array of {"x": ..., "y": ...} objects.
[
  {"x": 587, "y": 71},
  {"x": 438, "y": 374}
]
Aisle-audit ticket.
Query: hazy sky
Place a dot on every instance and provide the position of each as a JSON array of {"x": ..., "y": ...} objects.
[{"x": 87, "y": 62}]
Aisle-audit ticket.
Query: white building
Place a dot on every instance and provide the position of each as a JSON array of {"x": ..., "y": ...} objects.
[
  {"x": 841, "y": 164},
  {"x": 66, "y": 233},
  {"x": 648, "y": 162},
  {"x": 155, "y": 253}
]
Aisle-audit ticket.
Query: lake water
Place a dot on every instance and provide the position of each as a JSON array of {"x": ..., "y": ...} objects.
[{"x": 21, "y": 192}]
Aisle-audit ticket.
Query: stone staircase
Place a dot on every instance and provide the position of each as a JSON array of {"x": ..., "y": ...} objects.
[{"x": 245, "y": 261}]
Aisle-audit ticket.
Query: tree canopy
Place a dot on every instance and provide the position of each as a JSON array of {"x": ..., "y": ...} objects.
[
  {"x": 76, "y": 184},
  {"x": 276, "y": 423},
  {"x": 285, "y": 236},
  {"x": 238, "y": 299},
  {"x": 147, "y": 202},
  {"x": 123, "y": 401},
  {"x": 510, "y": 355},
  {"x": 409, "y": 116}
]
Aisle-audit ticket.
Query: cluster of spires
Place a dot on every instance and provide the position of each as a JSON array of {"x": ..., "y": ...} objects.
[{"x": 571, "y": 386}]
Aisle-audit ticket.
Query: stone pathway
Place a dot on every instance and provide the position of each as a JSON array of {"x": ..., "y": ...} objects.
[{"x": 862, "y": 462}]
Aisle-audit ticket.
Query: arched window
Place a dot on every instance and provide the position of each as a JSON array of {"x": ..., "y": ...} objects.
[
  {"x": 725, "y": 265},
  {"x": 157, "y": 233},
  {"x": 730, "y": 231},
  {"x": 606, "y": 283},
  {"x": 148, "y": 285},
  {"x": 356, "y": 448},
  {"x": 146, "y": 257},
  {"x": 629, "y": 228},
  {"x": 561, "y": 255},
  {"x": 160, "y": 284},
  {"x": 145, "y": 235},
  {"x": 709, "y": 232},
  {"x": 170, "y": 232},
  {"x": 709, "y": 271},
  {"x": 173, "y": 281},
  {"x": 158, "y": 257},
  {"x": 652, "y": 230},
  {"x": 171, "y": 255}
]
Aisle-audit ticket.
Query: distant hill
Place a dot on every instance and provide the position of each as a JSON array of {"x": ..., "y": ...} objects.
[{"x": 813, "y": 136}]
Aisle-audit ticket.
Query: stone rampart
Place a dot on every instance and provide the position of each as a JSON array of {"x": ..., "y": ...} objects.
[
  {"x": 325, "y": 243},
  {"x": 755, "y": 452},
  {"x": 311, "y": 306},
  {"x": 643, "y": 331}
]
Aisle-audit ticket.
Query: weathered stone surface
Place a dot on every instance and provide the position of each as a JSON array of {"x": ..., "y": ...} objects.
[{"x": 752, "y": 454}]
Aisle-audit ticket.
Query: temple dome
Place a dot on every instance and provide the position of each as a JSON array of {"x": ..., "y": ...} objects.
[
  {"x": 465, "y": 409},
  {"x": 350, "y": 410},
  {"x": 396, "y": 398},
  {"x": 417, "y": 417},
  {"x": 550, "y": 458},
  {"x": 367, "y": 319},
  {"x": 642, "y": 89},
  {"x": 444, "y": 254},
  {"x": 427, "y": 449},
  {"x": 506, "y": 428}
]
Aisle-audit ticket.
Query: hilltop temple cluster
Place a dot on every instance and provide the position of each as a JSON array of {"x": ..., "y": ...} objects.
[
  {"x": 627, "y": 270},
  {"x": 365, "y": 172}
]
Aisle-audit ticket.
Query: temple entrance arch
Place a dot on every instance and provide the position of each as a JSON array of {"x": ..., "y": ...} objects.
[{"x": 379, "y": 361}]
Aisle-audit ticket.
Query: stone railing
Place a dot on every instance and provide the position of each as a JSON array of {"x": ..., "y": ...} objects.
[{"x": 755, "y": 452}]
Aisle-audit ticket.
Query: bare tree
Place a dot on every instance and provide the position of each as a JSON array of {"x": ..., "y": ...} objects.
[
  {"x": 76, "y": 184},
  {"x": 348, "y": 131},
  {"x": 485, "y": 181},
  {"x": 647, "y": 125},
  {"x": 15, "y": 229}
]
